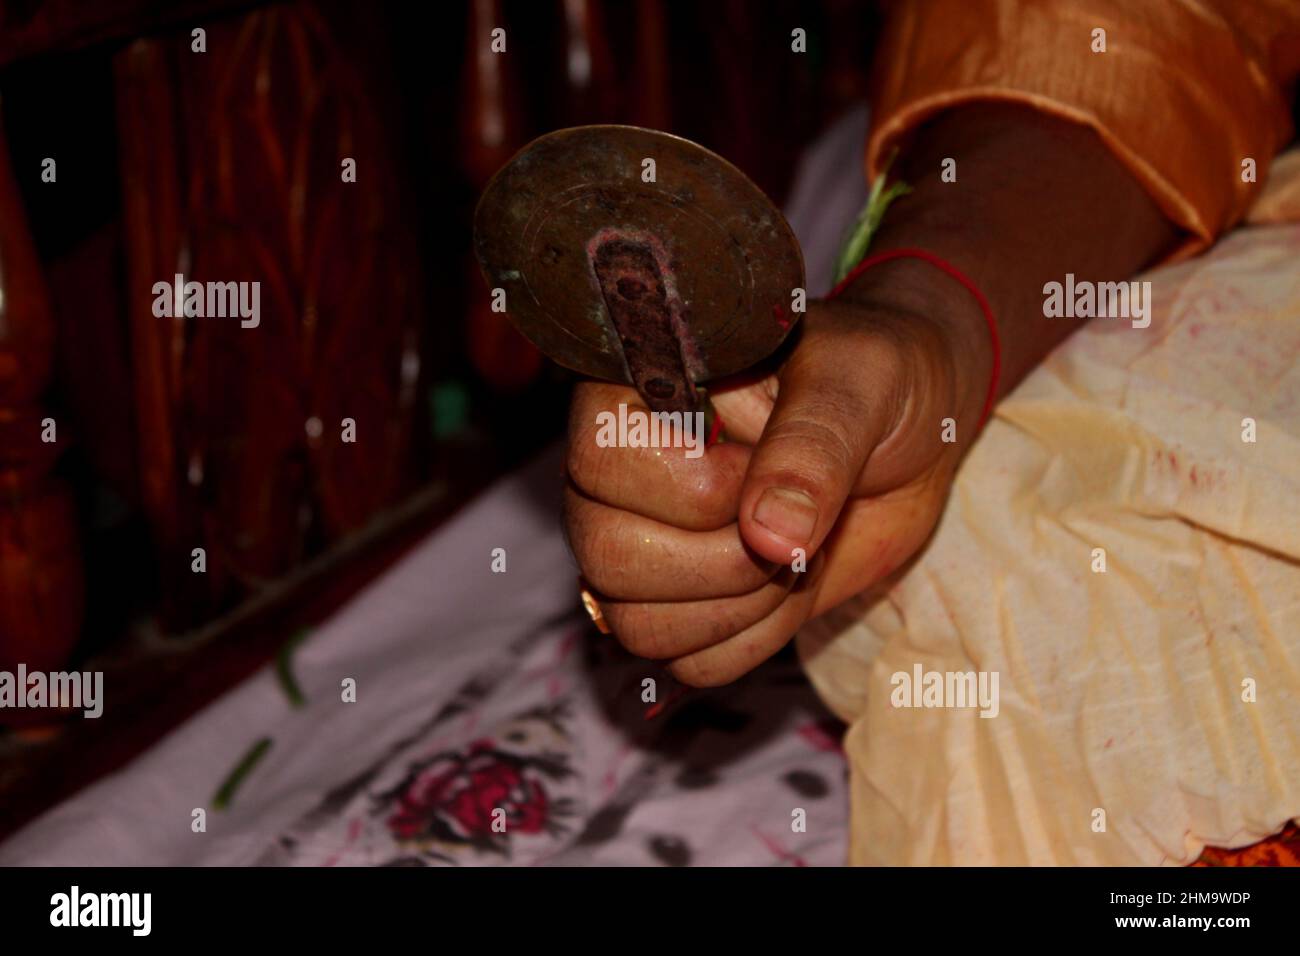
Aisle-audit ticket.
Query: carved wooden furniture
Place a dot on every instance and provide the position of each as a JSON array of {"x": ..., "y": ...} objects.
[
  {"x": 227, "y": 165},
  {"x": 260, "y": 445},
  {"x": 40, "y": 558},
  {"x": 230, "y": 153}
]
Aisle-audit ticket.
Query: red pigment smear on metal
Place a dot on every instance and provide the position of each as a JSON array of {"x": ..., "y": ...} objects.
[
  {"x": 636, "y": 301},
  {"x": 779, "y": 314},
  {"x": 679, "y": 314}
]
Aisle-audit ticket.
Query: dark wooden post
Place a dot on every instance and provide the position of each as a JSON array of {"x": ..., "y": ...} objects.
[{"x": 41, "y": 586}]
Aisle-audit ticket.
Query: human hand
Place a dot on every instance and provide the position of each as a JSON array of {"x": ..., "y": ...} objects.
[
  {"x": 690, "y": 564},
  {"x": 837, "y": 458}
]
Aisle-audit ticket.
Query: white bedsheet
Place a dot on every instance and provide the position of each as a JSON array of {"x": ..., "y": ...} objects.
[{"x": 474, "y": 690}]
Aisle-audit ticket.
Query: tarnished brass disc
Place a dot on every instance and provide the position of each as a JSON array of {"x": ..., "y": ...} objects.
[{"x": 712, "y": 245}]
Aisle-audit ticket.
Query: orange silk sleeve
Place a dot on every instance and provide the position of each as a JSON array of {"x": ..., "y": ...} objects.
[{"x": 1185, "y": 91}]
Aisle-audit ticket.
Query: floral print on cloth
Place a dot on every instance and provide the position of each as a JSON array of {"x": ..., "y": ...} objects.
[{"x": 554, "y": 756}]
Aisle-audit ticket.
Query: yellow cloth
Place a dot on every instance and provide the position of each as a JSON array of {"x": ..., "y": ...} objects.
[{"x": 1120, "y": 691}]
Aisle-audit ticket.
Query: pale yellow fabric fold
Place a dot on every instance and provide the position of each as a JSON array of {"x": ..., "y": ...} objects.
[{"x": 1123, "y": 691}]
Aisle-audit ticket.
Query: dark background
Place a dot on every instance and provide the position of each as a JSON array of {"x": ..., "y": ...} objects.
[{"x": 228, "y": 161}]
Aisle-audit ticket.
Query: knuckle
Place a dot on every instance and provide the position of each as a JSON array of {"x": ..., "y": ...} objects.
[
  {"x": 750, "y": 573},
  {"x": 813, "y": 443},
  {"x": 609, "y": 555},
  {"x": 588, "y": 542},
  {"x": 710, "y": 499},
  {"x": 580, "y": 414},
  {"x": 578, "y": 459},
  {"x": 587, "y": 462},
  {"x": 579, "y": 544},
  {"x": 639, "y": 630},
  {"x": 736, "y": 573},
  {"x": 696, "y": 671}
]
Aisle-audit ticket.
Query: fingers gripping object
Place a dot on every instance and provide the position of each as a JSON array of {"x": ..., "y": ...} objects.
[
  {"x": 638, "y": 257},
  {"x": 634, "y": 256}
]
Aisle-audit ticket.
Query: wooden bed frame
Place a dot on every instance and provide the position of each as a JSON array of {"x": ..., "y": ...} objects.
[{"x": 178, "y": 493}]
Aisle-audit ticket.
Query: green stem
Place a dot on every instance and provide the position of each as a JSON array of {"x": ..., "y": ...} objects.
[
  {"x": 284, "y": 669},
  {"x": 226, "y": 792},
  {"x": 868, "y": 221}
]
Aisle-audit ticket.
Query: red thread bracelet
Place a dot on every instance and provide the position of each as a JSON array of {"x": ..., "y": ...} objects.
[{"x": 961, "y": 277}]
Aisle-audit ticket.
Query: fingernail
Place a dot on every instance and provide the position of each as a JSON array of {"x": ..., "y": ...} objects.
[{"x": 791, "y": 514}]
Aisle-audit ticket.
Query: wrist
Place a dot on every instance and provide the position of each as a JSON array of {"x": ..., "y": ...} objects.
[
  {"x": 1037, "y": 197},
  {"x": 946, "y": 333}
]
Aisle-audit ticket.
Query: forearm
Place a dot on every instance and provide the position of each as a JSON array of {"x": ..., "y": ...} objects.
[{"x": 1035, "y": 198}]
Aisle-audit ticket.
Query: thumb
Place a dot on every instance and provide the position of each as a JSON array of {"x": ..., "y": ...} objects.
[{"x": 831, "y": 410}]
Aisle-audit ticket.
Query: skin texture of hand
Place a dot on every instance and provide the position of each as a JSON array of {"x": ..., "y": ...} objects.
[{"x": 840, "y": 451}]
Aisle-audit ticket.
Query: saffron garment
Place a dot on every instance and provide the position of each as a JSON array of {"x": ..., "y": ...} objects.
[{"x": 1183, "y": 93}]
